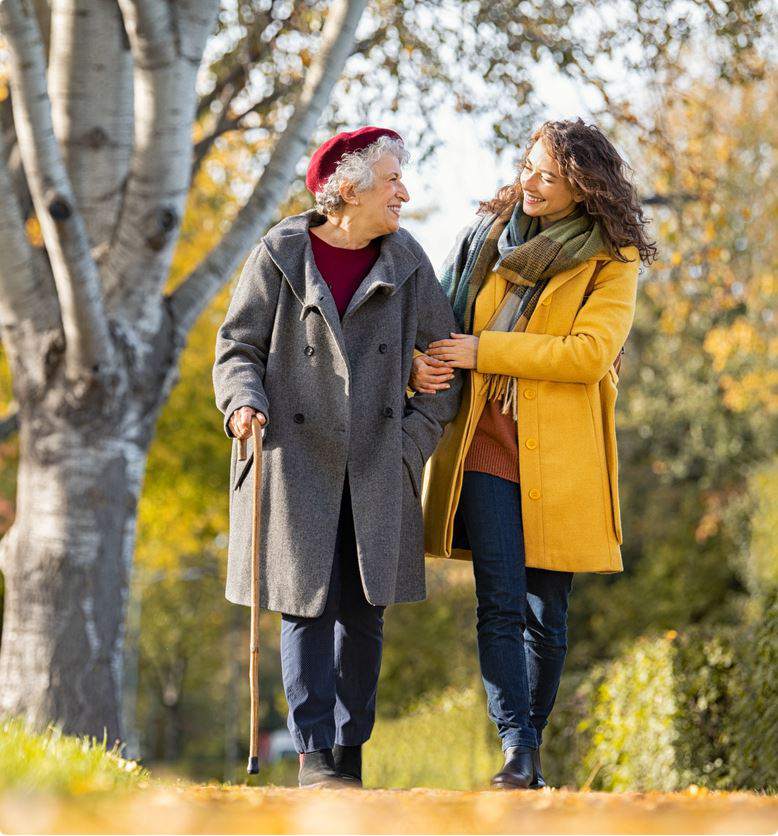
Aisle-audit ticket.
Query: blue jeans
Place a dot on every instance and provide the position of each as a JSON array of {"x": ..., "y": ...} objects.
[
  {"x": 522, "y": 613},
  {"x": 330, "y": 663}
]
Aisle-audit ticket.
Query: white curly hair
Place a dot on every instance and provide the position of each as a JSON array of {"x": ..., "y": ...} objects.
[{"x": 357, "y": 168}]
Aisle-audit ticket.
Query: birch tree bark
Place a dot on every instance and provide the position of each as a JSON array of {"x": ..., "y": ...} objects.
[{"x": 105, "y": 135}]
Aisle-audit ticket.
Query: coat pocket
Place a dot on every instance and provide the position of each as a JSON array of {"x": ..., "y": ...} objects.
[
  {"x": 414, "y": 484},
  {"x": 413, "y": 463},
  {"x": 608, "y": 395}
]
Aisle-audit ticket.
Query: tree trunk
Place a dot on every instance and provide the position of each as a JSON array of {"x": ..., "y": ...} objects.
[
  {"x": 65, "y": 568},
  {"x": 66, "y": 560}
]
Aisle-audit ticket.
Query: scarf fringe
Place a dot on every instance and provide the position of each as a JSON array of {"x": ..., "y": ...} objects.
[{"x": 504, "y": 388}]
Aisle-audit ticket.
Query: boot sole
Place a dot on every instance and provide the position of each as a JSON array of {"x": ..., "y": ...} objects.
[
  {"x": 509, "y": 785},
  {"x": 327, "y": 784}
]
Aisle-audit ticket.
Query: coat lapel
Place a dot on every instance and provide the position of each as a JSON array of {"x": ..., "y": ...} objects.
[
  {"x": 289, "y": 245},
  {"x": 394, "y": 265},
  {"x": 290, "y": 248}
]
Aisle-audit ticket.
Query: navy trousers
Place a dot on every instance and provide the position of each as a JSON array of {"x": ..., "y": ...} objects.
[
  {"x": 330, "y": 664},
  {"x": 522, "y": 613}
]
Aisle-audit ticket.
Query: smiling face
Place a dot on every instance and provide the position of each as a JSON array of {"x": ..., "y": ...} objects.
[
  {"x": 547, "y": 194},
  {"x": 377, "y": 210}
]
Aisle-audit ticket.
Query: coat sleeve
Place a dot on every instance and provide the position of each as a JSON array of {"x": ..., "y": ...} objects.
[
  {"x": 583, "y": 356},
  {"x": 426, "y": 415},
  {"x": 243, "y": 341}
]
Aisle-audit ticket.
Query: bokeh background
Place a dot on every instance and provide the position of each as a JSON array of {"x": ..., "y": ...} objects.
[{"x": 670, "y": 675}]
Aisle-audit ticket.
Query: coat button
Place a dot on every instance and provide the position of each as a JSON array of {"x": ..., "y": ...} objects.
[
  {"x": 382, "y": 348},
  {"x": 388, "y": 412},
  {"x": 299, "y": 418},
  {"x": 309, "y": 350},
  {"x": 529, "y": 394},
  {"x": 546, "y": 301},
  {"x": 534, "y": 494},
  {"x": 531, "y": 443}
]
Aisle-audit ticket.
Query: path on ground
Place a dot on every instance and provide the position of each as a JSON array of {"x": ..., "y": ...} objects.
[{"x": 197, "y": 809}]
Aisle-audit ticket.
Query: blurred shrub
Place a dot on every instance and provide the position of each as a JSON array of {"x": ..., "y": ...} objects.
[
  {"x": 755, "y": 711},
  {"x": 758, "y": 565},
  {"x": 698, "y": 708},
  {"x": 657, "y": 718},
  {"x": 445, "y": 741}
]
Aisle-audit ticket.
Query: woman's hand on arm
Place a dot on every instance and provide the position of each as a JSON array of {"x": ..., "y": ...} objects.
[
  {"x": 459, "y": 352},
  {"x": 429, "y": 375},
  {"x": 240, "y": 421}
]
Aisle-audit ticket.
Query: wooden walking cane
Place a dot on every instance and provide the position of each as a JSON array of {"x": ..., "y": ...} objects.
[{"x": 256, "y": 437}]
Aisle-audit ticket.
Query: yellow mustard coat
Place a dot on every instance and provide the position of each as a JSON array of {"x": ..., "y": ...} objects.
[{"x": 568, "y": 467}]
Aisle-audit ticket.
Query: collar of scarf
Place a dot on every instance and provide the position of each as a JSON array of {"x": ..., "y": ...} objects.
[{"x": 513, "y": 246}]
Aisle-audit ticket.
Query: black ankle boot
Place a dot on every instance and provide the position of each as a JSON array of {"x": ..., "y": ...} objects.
[
  {"x": 518, "y": 770},
  {"x": 348, "y": 762},
  {"x": 537, "y": 782},
  {"x": 317, "y": 769}
]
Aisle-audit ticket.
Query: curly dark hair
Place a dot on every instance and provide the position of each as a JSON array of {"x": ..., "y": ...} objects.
[{"x": 590, "y": 163}]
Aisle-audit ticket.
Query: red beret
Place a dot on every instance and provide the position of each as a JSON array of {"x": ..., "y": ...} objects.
[{"x": 327, "y": 156}]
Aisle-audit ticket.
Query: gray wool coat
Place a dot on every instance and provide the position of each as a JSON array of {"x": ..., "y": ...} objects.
[{"x": 334, "y": 395}]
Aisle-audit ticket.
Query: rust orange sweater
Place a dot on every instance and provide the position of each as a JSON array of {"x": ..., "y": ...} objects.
[{"x": 495, "y": 445}]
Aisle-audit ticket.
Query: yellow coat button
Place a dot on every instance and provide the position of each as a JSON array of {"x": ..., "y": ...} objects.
[
  {"x": 546, "y": 301},
  {"x": 531, "y": 443},
  {"x": 534, "y": 494},
  {"x": 529, "y": 394}
]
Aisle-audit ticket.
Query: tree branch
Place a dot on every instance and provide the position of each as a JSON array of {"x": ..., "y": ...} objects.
[
  {"x": 167, "y": 42},
  {"x": 28, "y": 298},
  {"x": 195, "y": 292},
  {"x": 92, "y": 108},
  {"x": 236, "y": 77},
  {"x": 227, "y": 123},
  {"x": 88, "y": 345}
]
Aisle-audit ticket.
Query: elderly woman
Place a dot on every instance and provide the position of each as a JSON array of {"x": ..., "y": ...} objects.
[
  {"x": 318, "y": 342},
  {"x": 524, "y": 482}
]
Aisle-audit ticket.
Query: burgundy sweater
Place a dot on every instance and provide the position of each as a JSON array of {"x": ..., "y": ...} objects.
[{"x": 343, "y": 269}]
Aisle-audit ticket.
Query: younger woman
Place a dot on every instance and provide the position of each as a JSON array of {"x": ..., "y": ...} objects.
[{"x": 524, "y": 481}]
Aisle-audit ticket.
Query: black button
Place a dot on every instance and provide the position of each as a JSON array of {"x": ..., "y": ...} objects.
[
  {"x": 309, "y": 350},
  {"x": 382, "y": 348},
  {"x": 299, "y": 418},
  {"x": 388, "y": 412}
]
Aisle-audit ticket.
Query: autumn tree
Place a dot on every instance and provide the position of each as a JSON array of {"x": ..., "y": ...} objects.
[
  {"x": 92, "y": 338},
  {"x": 698, "y": 403}
]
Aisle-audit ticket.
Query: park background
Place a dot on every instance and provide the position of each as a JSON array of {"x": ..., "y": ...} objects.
[{"x": 670, "y": 675}]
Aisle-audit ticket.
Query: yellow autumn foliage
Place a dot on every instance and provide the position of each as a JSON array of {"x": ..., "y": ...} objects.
[{"x": 719, "y": 263}]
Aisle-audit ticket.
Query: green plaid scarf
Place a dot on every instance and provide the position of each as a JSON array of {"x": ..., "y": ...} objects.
[{"x": 513, "y": 245}]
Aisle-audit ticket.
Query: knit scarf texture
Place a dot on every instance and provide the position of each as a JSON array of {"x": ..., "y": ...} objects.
[{"x": 513, "y": 245}]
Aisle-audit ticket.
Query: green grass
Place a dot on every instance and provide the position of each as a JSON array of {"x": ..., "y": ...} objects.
[{"x": 54, "y": 763}]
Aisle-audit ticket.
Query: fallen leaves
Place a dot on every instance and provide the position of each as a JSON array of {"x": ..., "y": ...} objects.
[{"x": 216, "y": 809}]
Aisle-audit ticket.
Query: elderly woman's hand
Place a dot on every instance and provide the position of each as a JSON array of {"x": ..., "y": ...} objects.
[
  {"x": 460, "y": 352},
  {"x": 429, "y": 375},
  {"x": 240, "y": 421}
]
